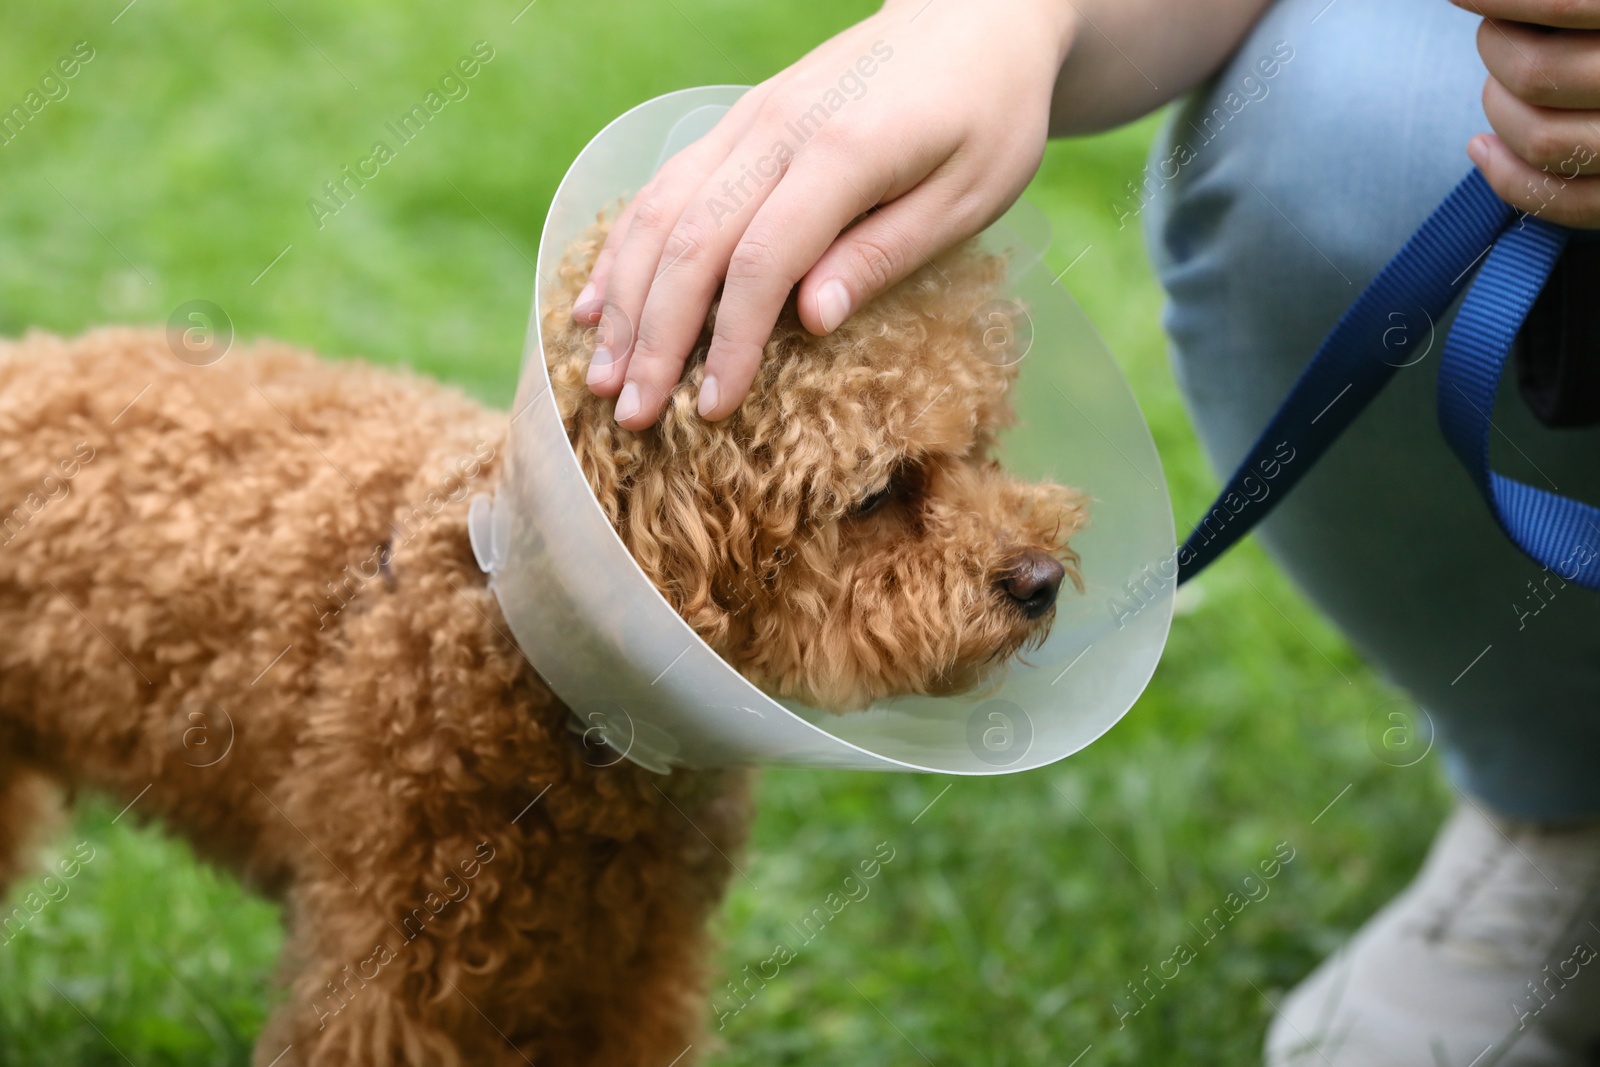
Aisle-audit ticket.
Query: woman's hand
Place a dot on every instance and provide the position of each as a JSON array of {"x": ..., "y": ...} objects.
[
  {"x": 1543, "y": 100},
  {"x": 884, "y": 146}
]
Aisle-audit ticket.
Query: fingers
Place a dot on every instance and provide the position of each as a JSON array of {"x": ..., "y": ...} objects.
[
  {"x": 1574, "y": 202},
  {"x": 704, "y": 153},
  {"x": 694, "y": 259},
  {"x": 846, "y": 151},
  {"x": 793, "y": 228},
  {"x": 656, "y": 211},
  {"x": 586, "y": 308},
  {"x": 880, "y": 250},
  {"x": 1541, "y": 67},
  {"x": 1565, "y": 14},
  {"x": 630, "y": 258},
  {"x": 1543, "y": 100},
  {"x": 1566, "y": 142}
]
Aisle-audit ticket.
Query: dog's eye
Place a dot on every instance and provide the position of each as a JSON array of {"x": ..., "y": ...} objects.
[
  {"x": 873, "y": 502},
  {"x": 902, "y": 487}
]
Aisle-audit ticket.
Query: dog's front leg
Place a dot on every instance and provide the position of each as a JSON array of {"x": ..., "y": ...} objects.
[
  {"x": 29, "y": 810},
  {"x": 382, "y": 971},
  {"x": 573, "y": 936}
]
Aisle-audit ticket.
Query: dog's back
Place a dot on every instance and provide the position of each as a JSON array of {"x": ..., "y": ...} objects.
[{"x": 171, "y": 534}]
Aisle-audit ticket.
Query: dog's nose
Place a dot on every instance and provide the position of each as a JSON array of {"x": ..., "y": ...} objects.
[{"x": 1033, "y": 582}]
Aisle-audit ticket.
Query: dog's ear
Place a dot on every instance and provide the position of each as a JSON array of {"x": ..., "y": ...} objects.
[
  {"x": 682, "y": 514},
  {"x": 675, "y": 505},
  {"x": 674, "y": 502},
  {"x": 713, "y": 520}
]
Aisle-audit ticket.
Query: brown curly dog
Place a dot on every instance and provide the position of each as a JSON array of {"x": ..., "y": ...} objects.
[{"x": 240, "y": 598}]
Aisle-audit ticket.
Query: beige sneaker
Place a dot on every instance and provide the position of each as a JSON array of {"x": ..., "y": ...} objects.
[{"x": 1490, "y": 957}]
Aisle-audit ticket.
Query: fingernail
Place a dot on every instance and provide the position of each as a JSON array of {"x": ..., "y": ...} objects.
[
  {"x": 833, "y": 304},
  {"x": 708, "y": 396},
  {"x": 580, "y": 306},
  {"x": 1477, "y": 150},
  {"x": 628, "y": 402},
  {"x": 599, "y": 366}
]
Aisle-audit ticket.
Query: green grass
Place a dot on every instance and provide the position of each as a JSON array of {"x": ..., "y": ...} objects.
[{"x": 1008, "y": 923}]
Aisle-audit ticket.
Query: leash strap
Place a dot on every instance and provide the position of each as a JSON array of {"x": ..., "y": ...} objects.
[
  {"x": 1553, "y": 530},
  {"x": 1354, "y": 363}
]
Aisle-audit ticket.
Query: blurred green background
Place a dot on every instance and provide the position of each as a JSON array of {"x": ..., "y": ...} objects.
[{"x": 1016, "y": 910}]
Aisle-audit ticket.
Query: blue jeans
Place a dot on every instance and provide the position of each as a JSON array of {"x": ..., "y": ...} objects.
[{"x": 1272, "y": 199}]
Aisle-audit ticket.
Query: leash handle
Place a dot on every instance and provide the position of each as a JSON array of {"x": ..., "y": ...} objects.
[
  {"x": 1352, "y": 366},
  {"x": 1553, "y": 530}
]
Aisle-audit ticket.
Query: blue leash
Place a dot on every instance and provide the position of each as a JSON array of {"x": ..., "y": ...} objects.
[{"x": 1351, "y": 368}]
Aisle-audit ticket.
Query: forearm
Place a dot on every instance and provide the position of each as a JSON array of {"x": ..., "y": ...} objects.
[{"x": 1125, "y": 58}]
